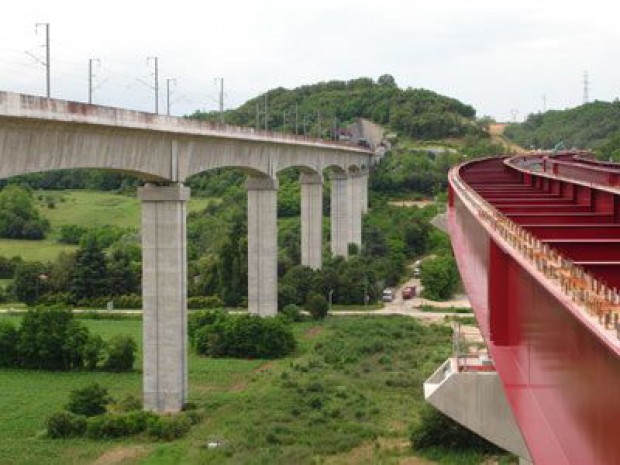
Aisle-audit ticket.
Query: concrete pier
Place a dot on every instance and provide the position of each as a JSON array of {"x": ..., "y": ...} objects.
[
  {"x": 364, "y": 191},
  {"x": 354, "y": 194},
  {"x": 164, "y": 284},
  {"x": 311, "y": 220},
  {"x": 262, "y": 245},
  {"x": 339, "y": 214}
]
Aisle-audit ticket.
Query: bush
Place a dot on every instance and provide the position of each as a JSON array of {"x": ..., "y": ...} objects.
[
  {"x": 129, "y": 403},
  {"x": 65, "y": 425},
  {"x": 71, "y": 233},
  {"x": 131, "y": 301},
  {"x": 292, "y": 313},
  {"x": 244, "y": 336},
  {"x": 317, "y": 306},
  {"x": 437, "y": 430},
  {"x": 116, "y": 425},
  {"x": 198, "y": 302},
  {"x": 89, "y": 401},
  {"x": 121, "y": 353},
  {"x": 169, "y": 428}
]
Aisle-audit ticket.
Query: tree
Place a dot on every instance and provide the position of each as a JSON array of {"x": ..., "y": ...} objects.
[
  {"x": 440, "y": 277},
  {"x": 386, "y": 80},
  {"x": 317, "y": 306},
  {"x": 30, "y": 281},
  {"x": 50, "y": 339},
  {"x": 19, "y": 219},
  {"x": 9, "y": 339},
  {"x": 89, "y": 278},
  {"x": 121, "y": 278}
]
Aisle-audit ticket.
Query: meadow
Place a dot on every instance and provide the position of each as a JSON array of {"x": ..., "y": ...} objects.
[
  {"x": 84, "y": 208},
  {"x": 348, "y": 395}
]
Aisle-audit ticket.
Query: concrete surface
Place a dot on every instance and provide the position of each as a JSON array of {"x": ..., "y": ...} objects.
[{"x": 164, "y": 294}]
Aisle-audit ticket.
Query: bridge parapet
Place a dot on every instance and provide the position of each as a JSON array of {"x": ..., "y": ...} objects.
[{"x": 593, "y": 298}]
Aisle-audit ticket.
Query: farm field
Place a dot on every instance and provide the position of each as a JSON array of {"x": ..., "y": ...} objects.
[{"x": 348, "y": 395}]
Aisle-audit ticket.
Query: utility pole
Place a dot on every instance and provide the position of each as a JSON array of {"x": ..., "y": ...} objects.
[
  {"x": 90, "y": 78},
  {"x": 544, "y": 103},
  {"x": 221, "y": 98},
  {"x": 586, "y": 87},
  {"x": 156, "y": 75},
  {"x": 168, "y": 81},
  {"x": 266, "y": 114},
  {"x": 514, "y": 112},
  {"x": 47, "y": 56},
  {"x": 257, "y": 116},
  {"x": 296, "y": 119}
]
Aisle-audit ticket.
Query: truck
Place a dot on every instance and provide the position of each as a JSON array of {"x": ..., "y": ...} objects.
[{"x": 408, "y": 292}]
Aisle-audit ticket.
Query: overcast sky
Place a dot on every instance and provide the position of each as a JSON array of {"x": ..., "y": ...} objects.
[{"x": 496, "y": 55}]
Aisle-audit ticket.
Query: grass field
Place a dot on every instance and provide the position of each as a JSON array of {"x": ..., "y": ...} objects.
[
  {"x": 348, "y": 396},
  {"x": 85, "y": 208}
]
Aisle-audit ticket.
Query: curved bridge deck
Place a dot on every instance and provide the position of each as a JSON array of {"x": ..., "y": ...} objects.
[{"x": 537, "y": 241}]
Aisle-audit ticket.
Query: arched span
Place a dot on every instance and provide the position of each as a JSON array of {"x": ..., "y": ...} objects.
[{"x": 45, "y": 134}]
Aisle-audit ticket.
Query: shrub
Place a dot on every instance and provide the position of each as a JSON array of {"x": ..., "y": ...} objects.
[
  {"x": 131, "y": 301},
  {"x": 197, "y": 320},
  {"x": 317, "y": 306},
  {"x": 71, "y": 233},
  {"x": 169, "y": 428},
  {"x": 129, "y": 403},
  {"x": 121, "y": 353},
  {"x": 89, "y": 401},
  {"x": 65, "y": 425},
  {"x": 198, "y": 302},
  {"x": 292, "y": 313},
  {"x": 116, "y": 425},
  {"x": 244, "y": 336}
]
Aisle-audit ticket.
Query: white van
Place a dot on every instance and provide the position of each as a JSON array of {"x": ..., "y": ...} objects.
[{"x": 388, "y": 295}]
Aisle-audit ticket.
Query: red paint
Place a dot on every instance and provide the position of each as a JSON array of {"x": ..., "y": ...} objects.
[{"x": 560, "y": 374}]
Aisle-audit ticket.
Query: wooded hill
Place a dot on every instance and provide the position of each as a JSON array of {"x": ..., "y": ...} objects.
[
  {"x": 315, "y": 108},
  {"x": 594, "y": 125}
]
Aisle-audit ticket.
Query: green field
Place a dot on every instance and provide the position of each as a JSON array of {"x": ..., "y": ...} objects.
[
  {"x": 85, "y": 208},
  {"x": 348, "y": 395}
]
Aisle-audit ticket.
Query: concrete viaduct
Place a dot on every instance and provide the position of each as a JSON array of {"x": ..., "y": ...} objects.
[{"x": 39, "y": 134}]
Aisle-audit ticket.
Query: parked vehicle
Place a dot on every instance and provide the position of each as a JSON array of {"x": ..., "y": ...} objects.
[
  {"x": 408, "y": 292},
  {"x": 388, "y": 295}
]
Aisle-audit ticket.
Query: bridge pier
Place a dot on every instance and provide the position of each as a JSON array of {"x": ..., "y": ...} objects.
[
  {"x": 339, "y": 214},
  {"x": 262, "y": 245},
  {"x": 164, "y": 294},
  {"x": 311, "y": 220},
  {"x": 354, "y": 194},
  {"x": 364, "y": 191}
]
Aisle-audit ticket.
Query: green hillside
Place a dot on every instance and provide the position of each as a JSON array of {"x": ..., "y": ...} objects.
[
  {"x": 310, "y": 109},
  {"x": 593, "y": 126},
  {"x": 83, "y": 208}
]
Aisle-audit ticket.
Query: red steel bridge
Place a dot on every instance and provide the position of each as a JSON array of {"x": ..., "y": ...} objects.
[{"x": 537, "y": 242}]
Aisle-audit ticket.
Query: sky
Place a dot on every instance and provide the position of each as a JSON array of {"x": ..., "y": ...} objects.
[{"x": 506, "y": 58}]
